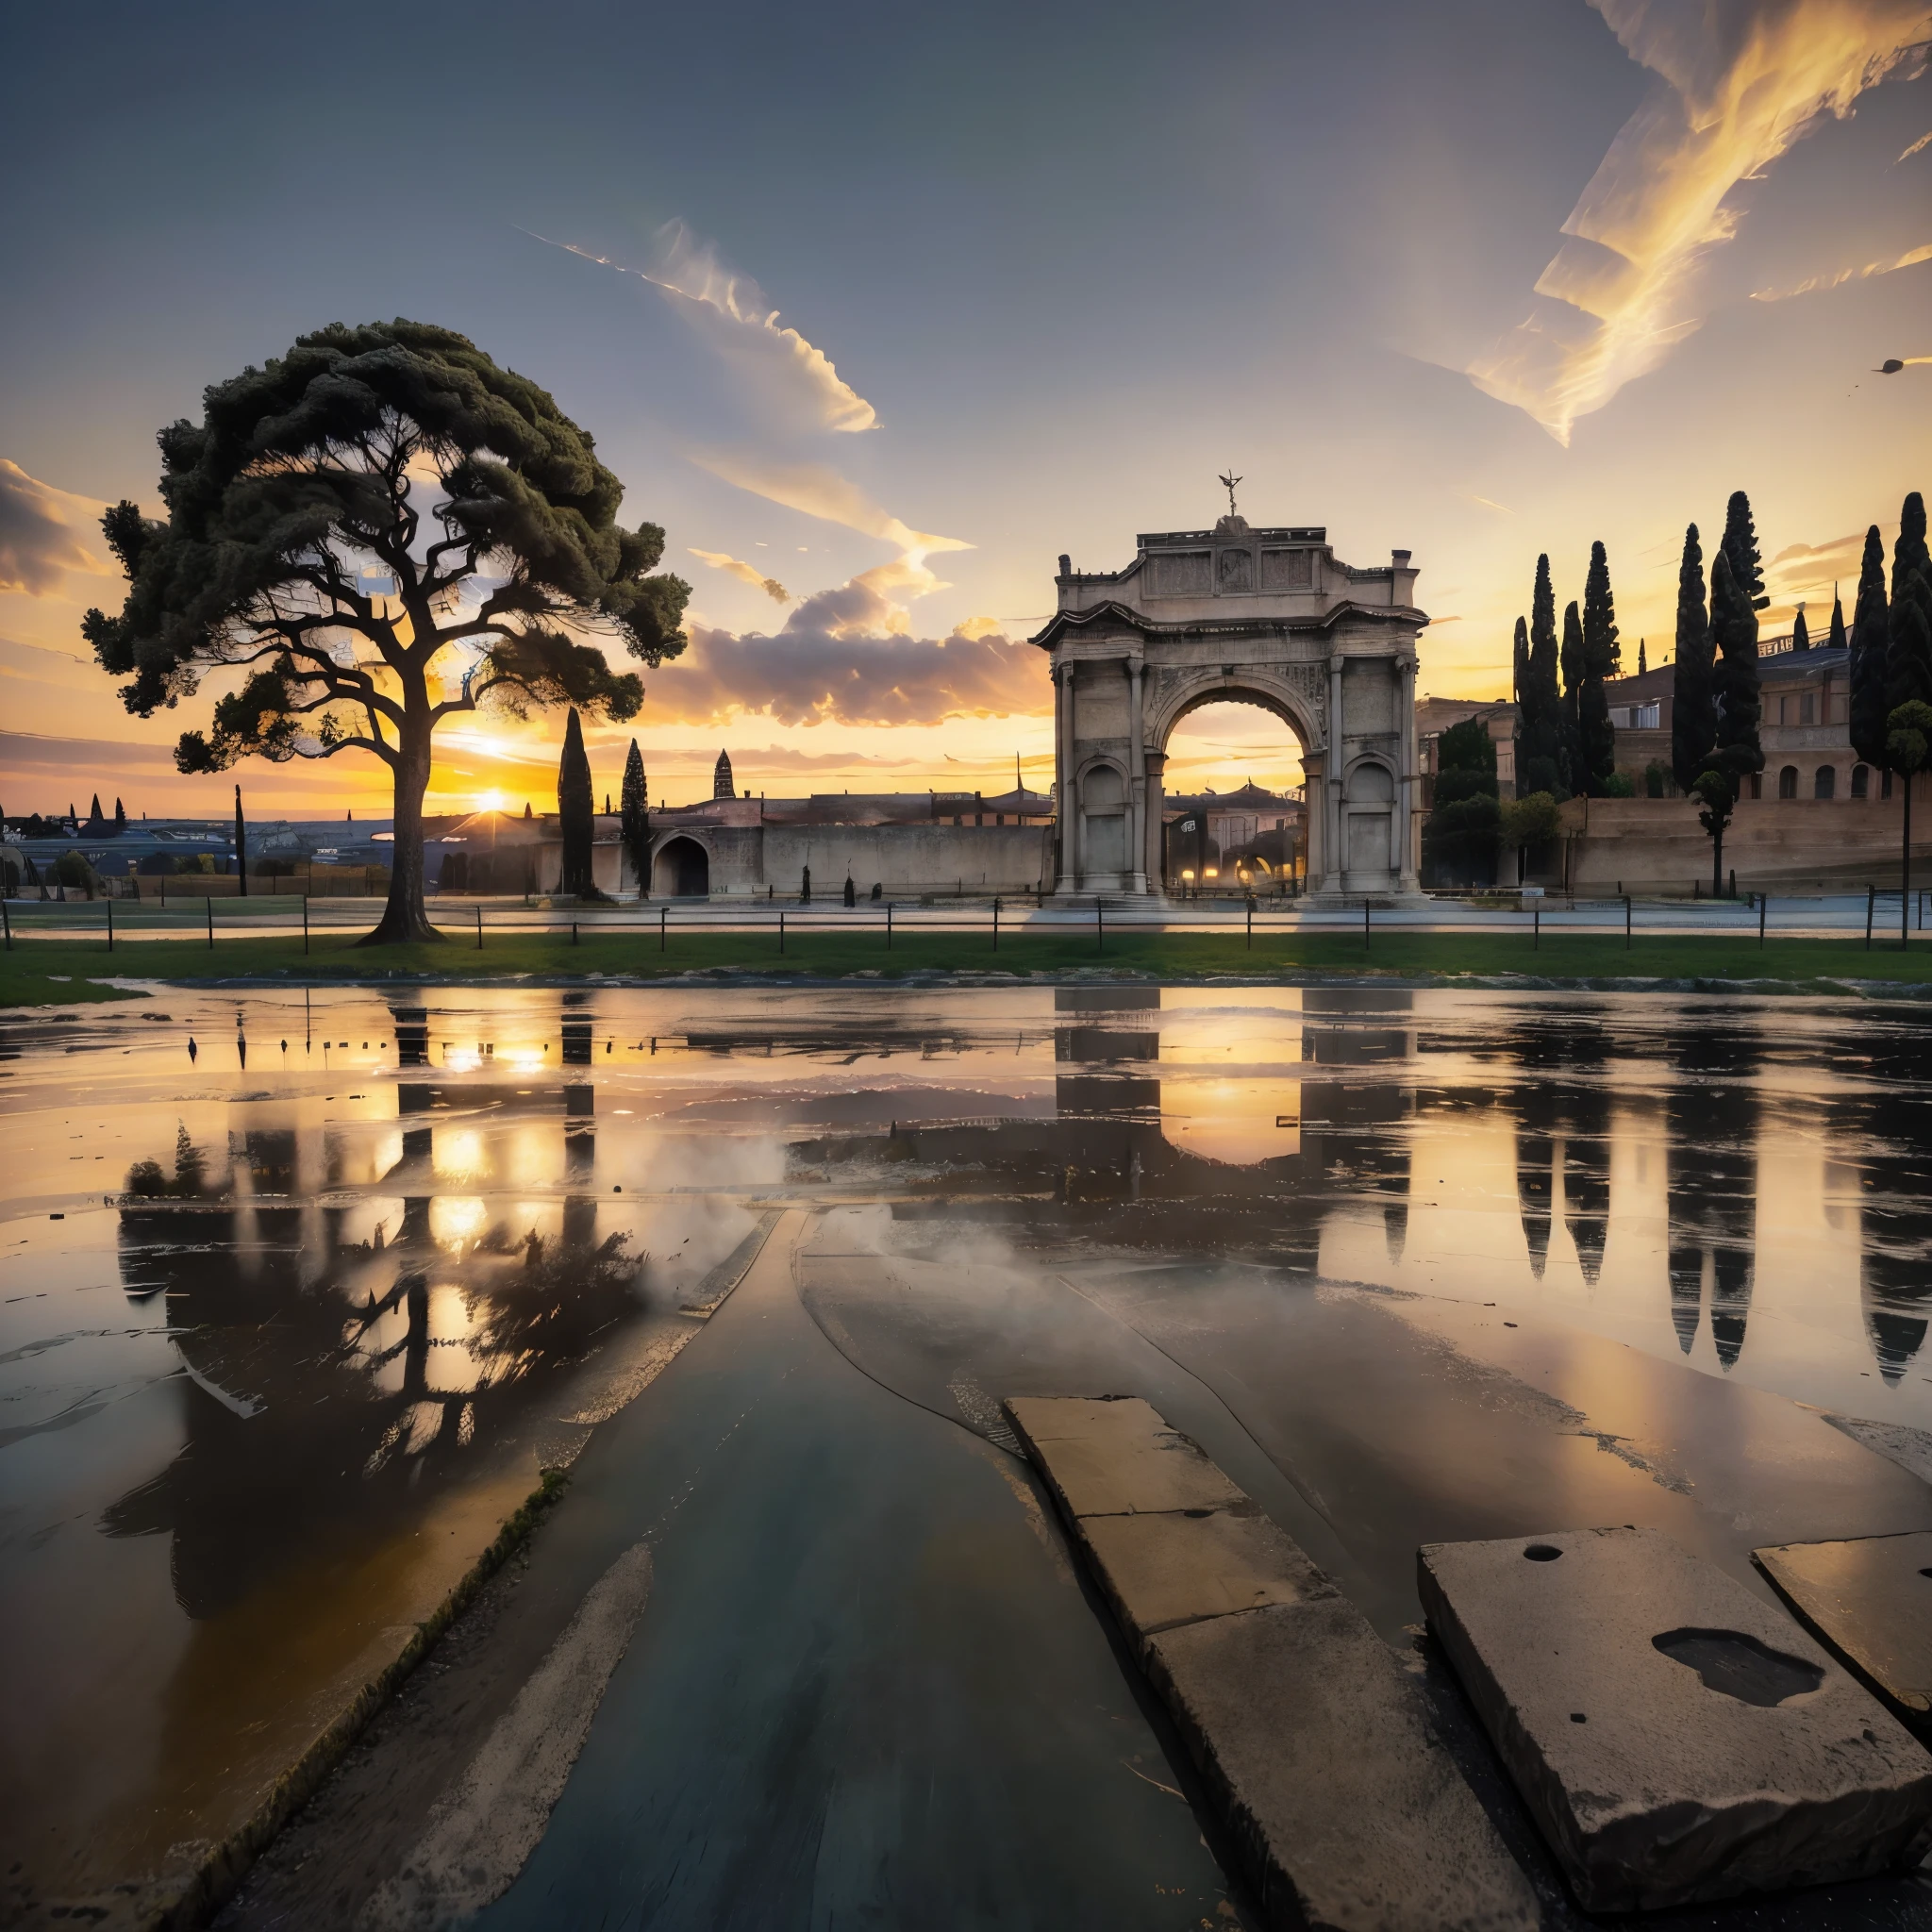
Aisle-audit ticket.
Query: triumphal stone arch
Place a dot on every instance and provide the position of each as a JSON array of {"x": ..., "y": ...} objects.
[{"x": 1241, "y": 615}]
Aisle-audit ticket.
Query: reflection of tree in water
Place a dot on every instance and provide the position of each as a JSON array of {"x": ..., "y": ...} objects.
[
  {"x": 1711, "y": 1115},
  {"x": 1562, "y": 1106},
  {"x": 1886, "y": 1130},
  {"x": 311, "y": 1425}
]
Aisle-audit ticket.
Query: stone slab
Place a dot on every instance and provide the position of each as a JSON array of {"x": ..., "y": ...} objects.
[
  {"x": 1112, "y": 1458},
  {"x": 1318, "y": 1748},
  {"x": 1160, "y": 1570},
  {"x": 1314, "y": 1742},
  {"x": 1676, "y": 1739},
  {"x": 1870, "y": 1599}
]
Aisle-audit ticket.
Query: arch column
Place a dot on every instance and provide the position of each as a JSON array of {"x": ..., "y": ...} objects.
[
  {"x": 1333, "y": 859},
  {"x": 1151, "y": 856},
  {"x": 1406, "y": 871},
  {"x": 1063, "y": 773},
  {"x": 1137, "y": 781}
]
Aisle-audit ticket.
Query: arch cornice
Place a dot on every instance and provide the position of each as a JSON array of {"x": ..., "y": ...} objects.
[{"x": 1074, "y": 625}]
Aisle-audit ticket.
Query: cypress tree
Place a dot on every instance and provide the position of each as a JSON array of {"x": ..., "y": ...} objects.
[
  {"x": 1641, "y": 665},
  {"x": 1869, "y": 649},
  {"x": 635, "y": 802},
  {"x": 1740, "y": 546},
  {"x": 1838, "y": 622},
  {"x": 1737, "y": 752},
  {"x": 1575, "y": 773},
  {"x": 576, "y": 809},
  {"x": 1908, "y": 652},
  {"x": 1543, "y": 770},
  {"x": 120, "y": 816},
  {"x": 1910, "y": 553},
  {"x": 1525, "y": 707},
  {"x": 1801, "y": 635},
  {"x": 1907, "y": 665},
  {"x": 1601, "y": 657}
]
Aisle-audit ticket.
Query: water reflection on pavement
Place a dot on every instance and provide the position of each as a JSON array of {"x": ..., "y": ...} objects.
[{"x": 279, "y": 1312}]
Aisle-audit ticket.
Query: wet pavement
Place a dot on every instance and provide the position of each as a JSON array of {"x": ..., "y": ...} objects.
[{"x": 1412, "y": 1267}]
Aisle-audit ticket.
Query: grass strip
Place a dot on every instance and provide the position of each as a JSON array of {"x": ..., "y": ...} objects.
[{"x": 55, "y": 971}]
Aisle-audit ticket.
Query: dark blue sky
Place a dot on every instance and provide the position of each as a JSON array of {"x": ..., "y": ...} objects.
[{"x": 1076, "y": 259}]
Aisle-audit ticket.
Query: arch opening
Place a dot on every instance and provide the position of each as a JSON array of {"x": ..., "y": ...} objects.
[
  {"x": 1234, "y": 796},
  {"x": 681, "y": 869}
]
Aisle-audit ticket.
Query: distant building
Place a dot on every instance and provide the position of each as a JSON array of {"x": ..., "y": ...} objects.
[
  {"x": 720, "y": 778},
  {"x": 1221, "y": 840},
  {"x": 1806, "y": 726},
  {"x": 906, "y": 844}
]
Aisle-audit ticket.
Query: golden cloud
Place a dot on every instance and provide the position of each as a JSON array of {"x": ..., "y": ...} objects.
[
  {"x": 40, "y": 533},
  {"x": 746, "y": 572},
  {"x": 1735, "y": 88}
]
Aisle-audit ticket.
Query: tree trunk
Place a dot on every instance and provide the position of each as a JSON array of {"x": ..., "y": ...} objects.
[
  {"x": 1717, "y": 863},
  {"x": 405, "y": 920}
]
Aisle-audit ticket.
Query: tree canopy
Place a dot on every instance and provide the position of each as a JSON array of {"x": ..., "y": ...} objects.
[
  {"x": 1693, "y": 709},
  {"x": 383, "y": 528},
  {"x": 1870, "y": 626}
]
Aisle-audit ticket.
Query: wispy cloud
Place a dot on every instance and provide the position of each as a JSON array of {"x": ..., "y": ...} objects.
[
  {"x": 746, "y": 572},
  {"x": 1919, "y": 146},
  {"x": 1804, "y": 570},
  {"x": 739, "y": 321},
  {"x": 1812, "y": 284},
  {"x": 825, "y": 673},
  {"x": 1736, "y": 85},
  {"x": 40, "y": 533},
  {"x": 865, "y": 605}
]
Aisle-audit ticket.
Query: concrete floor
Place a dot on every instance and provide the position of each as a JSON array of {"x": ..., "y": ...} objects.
[{"x": 868, "y": 1687}]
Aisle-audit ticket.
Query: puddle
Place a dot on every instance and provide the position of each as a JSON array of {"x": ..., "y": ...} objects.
[{"x": 336, "y": 1276}]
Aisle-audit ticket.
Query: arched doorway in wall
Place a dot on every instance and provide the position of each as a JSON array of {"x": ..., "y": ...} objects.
[
  {"x": 1233, "y": 790},
  {"x": 681, "y": 869}
]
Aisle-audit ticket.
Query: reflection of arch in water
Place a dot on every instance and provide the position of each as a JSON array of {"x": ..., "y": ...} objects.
[{"x": 681, "y": 869}]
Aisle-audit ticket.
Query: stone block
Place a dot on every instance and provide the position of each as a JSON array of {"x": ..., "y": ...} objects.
[
  {"x": 1159, "y": 1571},
  {"x": 1675, "y": 1739},
  {"x": 1871, "y": 1599},
  {"x": 1114, "y": 1457},
  {"x": 1314, "y": 1739},
  {"x": 1316, "y": 1744}
]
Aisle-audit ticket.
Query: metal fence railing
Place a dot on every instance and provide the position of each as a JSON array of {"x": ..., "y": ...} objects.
[{"x": 659, "y": 925}]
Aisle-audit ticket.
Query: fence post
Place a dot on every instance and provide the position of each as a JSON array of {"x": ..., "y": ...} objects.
[
  {"x": 1365, "y": 925},
  {"x": 663, "y": 925},
  {"x": 208, "y": 900},
  {"x": 1099, "y": 927},
  {"x": 573, "y": 932},
  {"x": 305, "y": 919},
  {"x": 1251, "y": 926},
  {"x": 1763, "y": 907},
  {"x": 995, "y": 921},
  {"x": 781, "y": 935},
  {"x": 480, "y": 927},
  {"x": 7, "y": 923},
  {"x": 1626, "y": 920},
  {"x": 1536, "y": 927},
  {"x": 1870, "y": 900},
  {"x": 110, "y": 926},
  {"x": 889, "y": 925}
]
